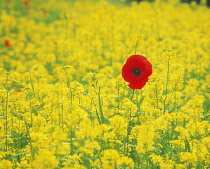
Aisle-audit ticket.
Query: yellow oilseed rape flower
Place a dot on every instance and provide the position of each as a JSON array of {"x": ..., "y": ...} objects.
[
  {"x": 86, "y": 129},
  {"x": 64, "y": 74},
  {"x": 45, "y": 159},
  {"x": 129, "y": 108},
  {"x": 109, "y": 158},
  {"x": 137, "y": 44},
  {"x": 145, "y": 142},
  {"x": 156, "y": 158},
  {"x": 38, "y": 71},
  {"x": 90, "y": 147},
  {"x": 58, "y": 136},
  {"x": 180, "y": 166},
  {"x": 23, "y": 164},
  {"x": 183, "y": 132},
  {"x": 205, "y": 149},
  {"x": 126, "y": 161},
  {"x": 188, "y": 157},
  {"x": 119, "y": 125},
  {"x": 196, "y": 127},
  {"x": 112, "y": 159},
  {"x": 5, "y": 164},
  {"x": 206, "y": 141},
  {"x": 50, "y": 58},
  {"x": 162, "y": 123},
  {"x": 75, "y": 166},
  {"x": 39, "y": 139},
  {"x": 167, "y": 165}
]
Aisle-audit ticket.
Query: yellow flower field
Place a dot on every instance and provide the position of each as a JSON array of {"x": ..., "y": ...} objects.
[{"x": 64, "y": 103}]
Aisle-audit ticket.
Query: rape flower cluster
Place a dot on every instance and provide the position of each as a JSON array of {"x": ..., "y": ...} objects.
[{"x": 65, "y": 104}]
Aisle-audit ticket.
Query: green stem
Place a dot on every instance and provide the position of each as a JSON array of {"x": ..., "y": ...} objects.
[
  {"x": 32, "y": 85},
  {"x": 133, "y": 91},
  {"x": 100, "y": 106},
  {"x": 137, "y": 101},
  {"x": 31, "y": 113},
  {"x": 30, "y": 140},
  {"x": 156, "y": 95},
  {"x": 6, "y": 112},
  {"x": 6, "y": 117},
  {"x": 62, "y": 117},
  {"x": 118, "y": 98},
  {"x": 167, "y": 80}
]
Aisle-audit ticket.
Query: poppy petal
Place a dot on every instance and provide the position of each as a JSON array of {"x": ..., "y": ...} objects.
[{"x": 136, "y": 71}]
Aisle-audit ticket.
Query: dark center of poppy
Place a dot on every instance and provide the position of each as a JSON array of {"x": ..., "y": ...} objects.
[{"x": 136, "y": 71}]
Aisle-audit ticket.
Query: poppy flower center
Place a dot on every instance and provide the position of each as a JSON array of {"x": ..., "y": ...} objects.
[{"x": 136, "y": 71}]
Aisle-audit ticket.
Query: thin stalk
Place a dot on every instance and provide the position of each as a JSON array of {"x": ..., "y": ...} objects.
[
  {"x": 32, "y": 85},
  {"x": 118, "y": 96},
  {"x": 167, "y": 81},
  {"x": 137, "y": 101},
  {"x": 30, "y": 140},
  {"x": 59, "y": 117},
  {"x": 97, "y": 114},
  {"x": 156, "y": 95},
  {"x": 31, "y": 113},
  {"x": 6, "y": 112},
  {"x": 62, "y": 117},
  {"x": 100, "y": 106},
  {"x": 138, "y": 106},
  {"x": 72, "y": 140},
  {"x": 132, "y": 95},
  {"x": 56, "y": 51},
  {"x": 6, "y": 117}
]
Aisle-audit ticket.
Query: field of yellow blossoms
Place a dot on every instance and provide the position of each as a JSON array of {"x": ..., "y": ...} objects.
[{"x": 64, "y": 103}]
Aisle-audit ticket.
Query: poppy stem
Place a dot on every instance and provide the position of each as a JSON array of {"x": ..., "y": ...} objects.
[
  {"x": 138, "y": 102},
  {"x": 132, "y": 95}
]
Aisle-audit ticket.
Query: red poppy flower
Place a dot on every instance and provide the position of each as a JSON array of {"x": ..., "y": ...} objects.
[
  {"x": 7, "y": 43},
  {"x": 136, "y": 71},
  {"x": 19, "y": 90},
  {"x": 25, "y": 2}
]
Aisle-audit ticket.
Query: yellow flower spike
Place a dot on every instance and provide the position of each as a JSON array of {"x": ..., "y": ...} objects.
[
  {"x": 119, "y": 125},
  {"x": 64, "y": 74},
  {"x": 188, "y": 157},
  {"x": 38, "y": 71},
  {"x": 129, "y": 108},
  {"x": 45, "y": 159},
  {"x": 108, "y": 155},
  {"x": 156, "y": 158},
  {"x": 6, "y": 164},
  {"x": 145, "y": 142},
  {"x": 137, "y": 44},
  {"x": 90, "y": 147}
]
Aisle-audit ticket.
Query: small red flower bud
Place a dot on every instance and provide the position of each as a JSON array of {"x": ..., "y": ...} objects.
[
  {"x": 25, "y": 2},
  {"x": 7, "y": 43},
  {"x": 44, "y": 11}
]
